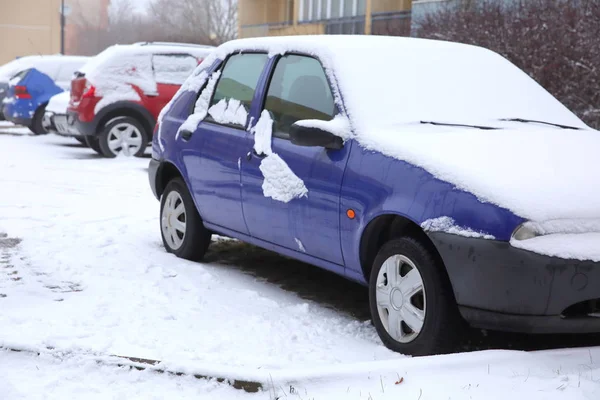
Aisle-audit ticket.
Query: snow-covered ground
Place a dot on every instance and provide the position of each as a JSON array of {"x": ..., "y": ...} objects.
[
  {"x": 8, "y": 128},
  {"x": 83, "y": 275}
]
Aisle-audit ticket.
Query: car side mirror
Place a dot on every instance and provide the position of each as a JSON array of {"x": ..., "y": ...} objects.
[{"x": 314, "y": 137}]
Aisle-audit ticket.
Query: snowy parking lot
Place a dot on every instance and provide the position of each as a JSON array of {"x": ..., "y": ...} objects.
[{"x": 84, "y": 277}]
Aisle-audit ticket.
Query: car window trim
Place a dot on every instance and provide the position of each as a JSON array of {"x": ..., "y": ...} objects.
[
  {"x": 208, "y": 118},
  {"x": 336, "y": 111}
]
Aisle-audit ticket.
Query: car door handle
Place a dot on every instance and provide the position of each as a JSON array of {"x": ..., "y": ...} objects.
[
  {"x": 186, "y": 135},
  {"x": 253, "y": 153}
]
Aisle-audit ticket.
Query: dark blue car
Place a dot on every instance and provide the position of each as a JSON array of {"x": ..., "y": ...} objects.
[
  {"x": 437, "y": 174},
  {"x": 29, "y": 90}
]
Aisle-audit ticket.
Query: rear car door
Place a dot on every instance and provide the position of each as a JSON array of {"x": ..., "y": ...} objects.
[
  {"x": 212, "y": 153},
  {"x": 298, "y": 90},
  {"x": 170, "y": 71}
]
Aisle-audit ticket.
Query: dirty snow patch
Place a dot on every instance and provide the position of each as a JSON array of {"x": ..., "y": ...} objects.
[
  {"x": 448, "y": 225},
  {"x": 581, "y": 246}
]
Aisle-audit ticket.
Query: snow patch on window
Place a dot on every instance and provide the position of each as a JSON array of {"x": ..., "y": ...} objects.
[
  {"x": 229, "y": 112},
  {"x": 578, "y": 246},
  {"x": 201, "y": 108},
  {"x": 448, "y": 225},
  {"x": 300, "y": 245},
  {"x": 280, "y": 182},
  {"x": 339, "y": 126}
]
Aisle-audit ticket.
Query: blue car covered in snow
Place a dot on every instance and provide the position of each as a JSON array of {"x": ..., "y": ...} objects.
[
  {"x": 29, "y": 90},
  {"x": 438, "y": 174}
]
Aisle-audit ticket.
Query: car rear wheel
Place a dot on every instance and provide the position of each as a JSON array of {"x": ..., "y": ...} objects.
[
  {"x": 182, "y": 230},
  {"x": 123, "y": 135},
  {"x": 37, "y": 126},
  {"x": 412, "y": 304}
]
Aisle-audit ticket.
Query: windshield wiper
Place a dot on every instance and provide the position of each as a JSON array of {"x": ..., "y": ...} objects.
[
  {"x": 462, "y": 125},
  {"x": 527, "y": 121}
]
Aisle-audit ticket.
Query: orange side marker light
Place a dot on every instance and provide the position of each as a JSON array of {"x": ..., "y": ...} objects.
[{"x": 350, "y": 213}]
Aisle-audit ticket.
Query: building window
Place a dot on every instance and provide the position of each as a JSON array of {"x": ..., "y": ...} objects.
[{"x": 318, "y": 10}]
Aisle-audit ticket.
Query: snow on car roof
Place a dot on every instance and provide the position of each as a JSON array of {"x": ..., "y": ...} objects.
[{"x": 142, "y": 49}]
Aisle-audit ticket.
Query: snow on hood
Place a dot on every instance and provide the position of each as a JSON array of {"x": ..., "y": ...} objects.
[
  {"x": 58, "y": 103},
  {"x": 538, "y": 173}
]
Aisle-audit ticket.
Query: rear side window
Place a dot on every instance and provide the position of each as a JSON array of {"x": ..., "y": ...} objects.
[
  {"x": 239, "y": 78},
  {"x": 298, "y": 90},
  {"x": 173, "y": 69}
]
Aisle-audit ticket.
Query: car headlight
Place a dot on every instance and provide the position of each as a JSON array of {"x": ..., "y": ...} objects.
[{"x": 525, "y": 231}]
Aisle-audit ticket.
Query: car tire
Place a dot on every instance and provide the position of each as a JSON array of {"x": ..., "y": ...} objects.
[
  {"x": 418, "y": 300},
  {"x": 123, "y": 135},
  {"x": 37, "y": 126},
  {"x": 177, "y": 208},
  {"x": 93, "y": 143}
]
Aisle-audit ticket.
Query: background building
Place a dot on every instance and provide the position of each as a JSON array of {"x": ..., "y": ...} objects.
[
  {"x": 33, "y": 26},
  {"x": 294, "y": 17},
  {"x": 29, "y": 27}
]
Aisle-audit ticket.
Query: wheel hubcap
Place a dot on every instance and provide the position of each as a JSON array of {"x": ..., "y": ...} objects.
[
  {"x": 400, "y": 296},
  {"x": 124, "y": 138},
  {"x": 173, "y": 221}
]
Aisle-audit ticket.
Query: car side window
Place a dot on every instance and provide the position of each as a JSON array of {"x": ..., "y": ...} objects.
[
  {"x": 235, "y": 89},
  {"x": 173, "y": 69},
  {"x": 298, "y": 90}
]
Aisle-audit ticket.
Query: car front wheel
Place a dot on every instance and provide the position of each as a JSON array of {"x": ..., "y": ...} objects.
[
  {"x": 411, "y": 301},
  {"x": 183, "y": 232},
  {"x": 123, "y": 135}
]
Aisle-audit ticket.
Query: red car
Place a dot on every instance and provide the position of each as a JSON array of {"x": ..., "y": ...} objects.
[{"x": 117, "y": 96}]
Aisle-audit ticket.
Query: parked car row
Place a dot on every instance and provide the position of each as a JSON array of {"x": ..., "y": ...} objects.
[
  {"x": 27, "y": 85},
  {"x": 109, "y": 102}
]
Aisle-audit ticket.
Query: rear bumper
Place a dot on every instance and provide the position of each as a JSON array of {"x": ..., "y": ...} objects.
[
  {"x": 49, "y": 123},
  {"x": 81, "y": 127},
  {"x": 501, "y": 287},
  {"x": 18, "y": 113}
]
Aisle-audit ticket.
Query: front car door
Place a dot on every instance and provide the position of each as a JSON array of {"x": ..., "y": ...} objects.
[
  {"x": 212, "y": 153},
  {"x": 277, "y": 208}
]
